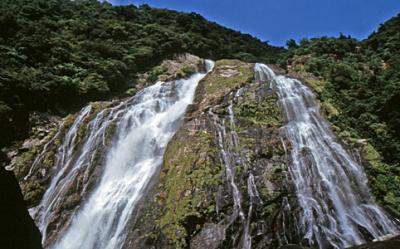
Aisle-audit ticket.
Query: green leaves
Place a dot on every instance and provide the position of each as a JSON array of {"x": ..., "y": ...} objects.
[
  {"x": 57, "y": 55},
  {"x": 92, "y": 82}
]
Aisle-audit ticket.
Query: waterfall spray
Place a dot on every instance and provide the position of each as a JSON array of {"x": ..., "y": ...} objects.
[
  {"x": 337, "y": 207},
  {"x": 144, "y": 125}
]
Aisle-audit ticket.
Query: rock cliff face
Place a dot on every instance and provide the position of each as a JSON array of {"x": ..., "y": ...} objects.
[
  {"x": 224, "y": 181},
  {"x": 17, "y": 227},
  {"x": 391, "y": 243}
]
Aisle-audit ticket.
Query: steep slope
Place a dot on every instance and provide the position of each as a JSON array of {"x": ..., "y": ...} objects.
[
  {"x": 224, "y": 179},
  {"x": 228, "y": 179}
]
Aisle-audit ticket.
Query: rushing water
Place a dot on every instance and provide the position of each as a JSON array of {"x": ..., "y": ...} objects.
[
  {"x": 230, "y": 155},
  {"x": 144, "y": 125},
  {"x": 337, "y": 207}
]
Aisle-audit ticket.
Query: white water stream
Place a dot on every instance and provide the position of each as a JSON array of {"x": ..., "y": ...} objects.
[
  {"x": 337, "y": 207},
  {"x": 144, "y": 126}
]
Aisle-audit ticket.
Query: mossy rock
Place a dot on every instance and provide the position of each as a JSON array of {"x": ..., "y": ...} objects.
[
  {"x": 264, "y": 111},
  {"x": 188, "y": 177},
  {"x": 186, "y": 71},
  {"x": 227, "y": 76}
]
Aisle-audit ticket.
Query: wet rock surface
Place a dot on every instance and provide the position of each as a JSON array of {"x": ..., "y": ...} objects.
[
  {"x": 194, "y": 204},
  {"x": 393, "y": 243},
  {"x": 211, "y": 236}
]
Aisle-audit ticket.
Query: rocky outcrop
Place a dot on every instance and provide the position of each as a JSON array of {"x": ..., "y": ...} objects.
[
  {"x": 17, "y": 228},
  {"x": 392, "y": 243},
  {"x": 180, "y": 66},
  {"x": 224, "y": 181}
]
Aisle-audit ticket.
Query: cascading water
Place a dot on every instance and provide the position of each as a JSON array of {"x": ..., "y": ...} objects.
[
  {"x": 228, "y": 142},
  {"x": 144, "y": 125},
  {"x": 73, "y": 162},
  {"x": 337, "y": 207}
]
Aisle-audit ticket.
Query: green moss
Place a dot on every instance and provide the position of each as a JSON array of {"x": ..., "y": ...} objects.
[
  {"x": 370, "y": 154},
  {"x": 270, "y": 209},
  {"x": 110, "y": 131},
  {"x": 348, "y": 136},
  {"x": 34, "y": 187},
  {"x": 188, "y": 175},
  {"x": 227, "y": 62},
  {"x": 24, "y": 161},
  {"x": 186, "y": 71},
  {"x": 263, "y": 112},
  {"x": 48, "y": 160},
  {"x": 384, "y": 179},
  {"x": 328, "y": 109},
  {"x": 131, "y": 91},
  {"x": 317, "y": 85},
  {"x": 217, "y": 84},
  {"x": 154, "y": 73},
  {"x": 32, "y": 190},
  {"x": 69, "y": 120}
]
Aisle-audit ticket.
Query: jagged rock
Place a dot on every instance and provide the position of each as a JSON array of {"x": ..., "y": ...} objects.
[
  {"x": 361, "y": 142},
  {"x": 193, "y": 205},
  {"x": 29, "y": 143},
  {"x": 228, "y": 71},
  {"x": 210, "y": 237},
  {"x": 173, "y": 69},
  {"x": 392, "y": 243},
  {"x": 181, "y": 66},
  {"x": 292, "y": 247}
]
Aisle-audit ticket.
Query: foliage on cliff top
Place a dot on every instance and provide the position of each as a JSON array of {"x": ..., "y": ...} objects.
[{"x": 56, "y": 54}]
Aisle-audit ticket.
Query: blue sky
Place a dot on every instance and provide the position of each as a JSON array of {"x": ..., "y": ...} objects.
[{"x": 279, "y": 20}]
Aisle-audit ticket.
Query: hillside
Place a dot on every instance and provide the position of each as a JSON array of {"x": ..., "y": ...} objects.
[
  {"x": 358, "y": 84},
  {"x": 56, "y": 55}
]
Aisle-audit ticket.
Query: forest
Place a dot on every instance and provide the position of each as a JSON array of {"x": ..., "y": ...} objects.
[{"x": 56, "y": 55}]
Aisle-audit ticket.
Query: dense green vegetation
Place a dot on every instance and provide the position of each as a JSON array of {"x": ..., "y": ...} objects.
[
  {"x": 359, "y": 86},
  {"x": 56, "y": 55}
]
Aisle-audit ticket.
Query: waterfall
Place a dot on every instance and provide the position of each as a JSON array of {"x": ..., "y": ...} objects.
[
  {"x": 337, "y": 207},
  {"x": 143, "y": 125},
  {"x": 230, "y": 155}
]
